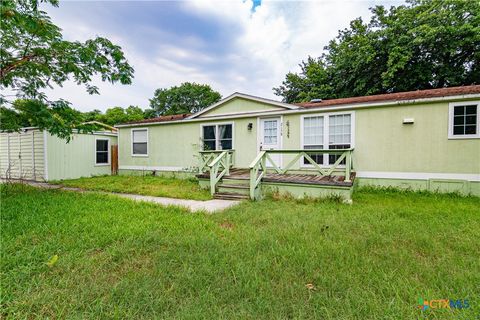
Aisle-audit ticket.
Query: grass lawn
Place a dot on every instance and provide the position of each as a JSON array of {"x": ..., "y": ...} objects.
[
  {"x": 144, "y": 185},
  {"x": 269, "y": 260}
]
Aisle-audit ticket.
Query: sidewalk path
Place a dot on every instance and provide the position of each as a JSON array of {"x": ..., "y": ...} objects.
[{"x": 193, "y": 205}]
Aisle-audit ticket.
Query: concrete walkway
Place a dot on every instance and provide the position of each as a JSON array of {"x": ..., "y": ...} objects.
[{"x": 193, "y": 205}]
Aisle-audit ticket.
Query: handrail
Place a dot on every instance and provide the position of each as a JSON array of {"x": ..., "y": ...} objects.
[
  {"x": 257, "y": 159},
  {"x": 259, "y": 164},
  {"x": 219, "y": 167}
]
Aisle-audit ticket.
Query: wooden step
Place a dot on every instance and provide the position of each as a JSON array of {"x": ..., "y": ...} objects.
[
  {"x": 234, "y": 186},
  {"x": 230, "y": 196}
]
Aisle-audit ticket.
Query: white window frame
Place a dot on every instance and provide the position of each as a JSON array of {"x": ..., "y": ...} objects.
[
  {"x": 326, "y": 134},
  {"x": 217, "y": 139},
  {"x": 451, "y": 107},
  {"x": 108, "y": 152},
  {"x": 131, "y": 142}
]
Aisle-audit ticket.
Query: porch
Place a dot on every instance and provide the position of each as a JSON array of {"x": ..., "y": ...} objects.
[{"x": 225, "y": 181}]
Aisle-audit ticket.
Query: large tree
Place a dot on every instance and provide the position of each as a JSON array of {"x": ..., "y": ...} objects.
[
  {"x": 186, "y": 98},
  {"x": 34, "y": 56},
  {"x": 116, "y": 115},
  {"x": 422, "y": 45}
]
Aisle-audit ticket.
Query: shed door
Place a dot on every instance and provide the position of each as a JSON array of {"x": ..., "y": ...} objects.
[{"x": 24, "y": 155}]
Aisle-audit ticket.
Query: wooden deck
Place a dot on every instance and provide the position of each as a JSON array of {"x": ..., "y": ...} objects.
[{"x": 310, "y": 179}]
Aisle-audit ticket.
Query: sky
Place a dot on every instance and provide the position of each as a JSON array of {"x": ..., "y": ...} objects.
[{"x": 234, "y": 46}]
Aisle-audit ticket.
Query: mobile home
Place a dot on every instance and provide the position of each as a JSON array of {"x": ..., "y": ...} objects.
[{"x": 246, "y": 145}]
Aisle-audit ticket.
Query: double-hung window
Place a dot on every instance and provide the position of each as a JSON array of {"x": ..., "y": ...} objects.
[
  {"x": 464, "y": 120},
  {"x": 217, "y": 136},
  {"x": 313, "y": 128},
  {"x": 327, "y": 131},
  {"x": 102, "y": 147},
  {"x": 139, "y": 142}
]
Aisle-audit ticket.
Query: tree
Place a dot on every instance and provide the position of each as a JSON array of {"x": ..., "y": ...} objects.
[
  {"x": 422, "y": 45},
  {"x": 186, "y": 98},
  {"x": 34, "y": 56},
  {"x": 115, "y": 115}
]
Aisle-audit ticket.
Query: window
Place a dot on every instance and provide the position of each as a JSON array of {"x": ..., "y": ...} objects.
[
  {"x": 217, "y": 137},
  {"x": 464, "y": 120},
  {"x": 328, "y": 131},
  {"x": 270, "y": 135},
  {"x": 140, "y": 142},
  {"x": 313, "y": 137},
  {"x": 339, "y": 135},
  {"x": 102, "y": 151}
]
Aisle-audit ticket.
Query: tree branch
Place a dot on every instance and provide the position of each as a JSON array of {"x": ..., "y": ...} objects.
[{"x": 12, "y": 66}]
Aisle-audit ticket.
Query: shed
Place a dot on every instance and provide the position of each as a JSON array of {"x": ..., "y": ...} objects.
[{"x": 32, "y": 154}]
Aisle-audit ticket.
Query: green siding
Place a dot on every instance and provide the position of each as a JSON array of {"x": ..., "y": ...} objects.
[
  {"x": 176, "y": 146},
  {"x": 240, "y": 105},
  {"x": 74, "y": 159},
  {"x": 382, "y": 143}
]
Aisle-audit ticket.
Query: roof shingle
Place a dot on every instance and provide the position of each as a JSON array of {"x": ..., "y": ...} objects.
[{"x": 398, "y": 96}]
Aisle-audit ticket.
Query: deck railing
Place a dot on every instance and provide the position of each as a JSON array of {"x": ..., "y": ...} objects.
[
  {"x": 258, "y": 167},
  {"x": 218, "y": 163}
]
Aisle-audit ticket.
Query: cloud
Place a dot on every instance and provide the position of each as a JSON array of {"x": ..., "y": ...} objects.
[{"x": 222, "y": 43}]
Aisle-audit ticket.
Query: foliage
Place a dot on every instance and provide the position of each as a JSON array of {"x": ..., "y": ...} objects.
[
  {"x": 144, "y": 185},
  {"x": 422, "y": 45},
  {"x": 58, "y": 118},
  {"x": 116, "y": 115},
  {"x": 186, "y": 98},
  {"x": 34, "y": 56},
  {"x": 260, "y": 260}
]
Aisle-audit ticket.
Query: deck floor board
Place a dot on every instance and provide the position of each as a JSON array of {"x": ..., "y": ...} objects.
[{"x": 240, "y": 173}]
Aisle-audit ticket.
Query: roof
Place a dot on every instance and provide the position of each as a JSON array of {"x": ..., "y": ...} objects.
[
  {"x": 398, "y": 96},
  {"x": 379, "y": 98},
  {"x": 244, "y": 96},
  {"x": 173, "y": 117}
]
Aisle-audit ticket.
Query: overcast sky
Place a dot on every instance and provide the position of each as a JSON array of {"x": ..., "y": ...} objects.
[{"x": 236, "y": 45}]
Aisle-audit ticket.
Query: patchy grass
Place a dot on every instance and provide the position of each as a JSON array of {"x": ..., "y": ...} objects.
[
  {"x": 144, "y": 185},
  {"x": 268, "y": 260}
]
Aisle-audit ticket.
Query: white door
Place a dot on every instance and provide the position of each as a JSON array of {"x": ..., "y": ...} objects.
[{"x": 271, "y": 138}]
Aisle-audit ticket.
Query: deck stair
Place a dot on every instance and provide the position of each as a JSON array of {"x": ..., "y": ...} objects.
[{"x": 232, "y": 188}]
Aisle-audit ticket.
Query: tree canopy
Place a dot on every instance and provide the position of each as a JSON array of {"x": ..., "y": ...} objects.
[
  {"x": 186, "y": 98},
  {"x": 422, "y": 45},
  {"x": 34, "y": 56},
  {"x": 115, "y": 115}
]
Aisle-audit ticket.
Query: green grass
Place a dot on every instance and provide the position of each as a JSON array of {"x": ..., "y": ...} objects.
[
  {"x": 144, "y": 185},
  {"x": 127, "y": 260}
]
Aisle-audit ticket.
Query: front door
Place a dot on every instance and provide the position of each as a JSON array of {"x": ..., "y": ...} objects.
[{"x": 271, "y": 138}]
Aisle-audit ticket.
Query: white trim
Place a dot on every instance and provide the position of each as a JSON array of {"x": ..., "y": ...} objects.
[
  {"x": 326, "y": 134},
  {"x": 260, "y": 134},
  {"x": 309, "y": 110},
  {"x": 244, "y": 96},
  {"x": 45, "y": 156},
  {"x": 150, "y": 168},
  {"x": 417, "y": 175},
  {"x": 131, "y": 142},
  {"x": 108, "y": 152},
  {"x": 451, "y": 107},
  {"x": 217, "y": 140}
]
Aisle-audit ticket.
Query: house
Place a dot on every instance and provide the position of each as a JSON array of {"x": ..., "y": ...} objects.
[
  {"x": 246, "y": 145},
  {"x": 32, "y": 154}
]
